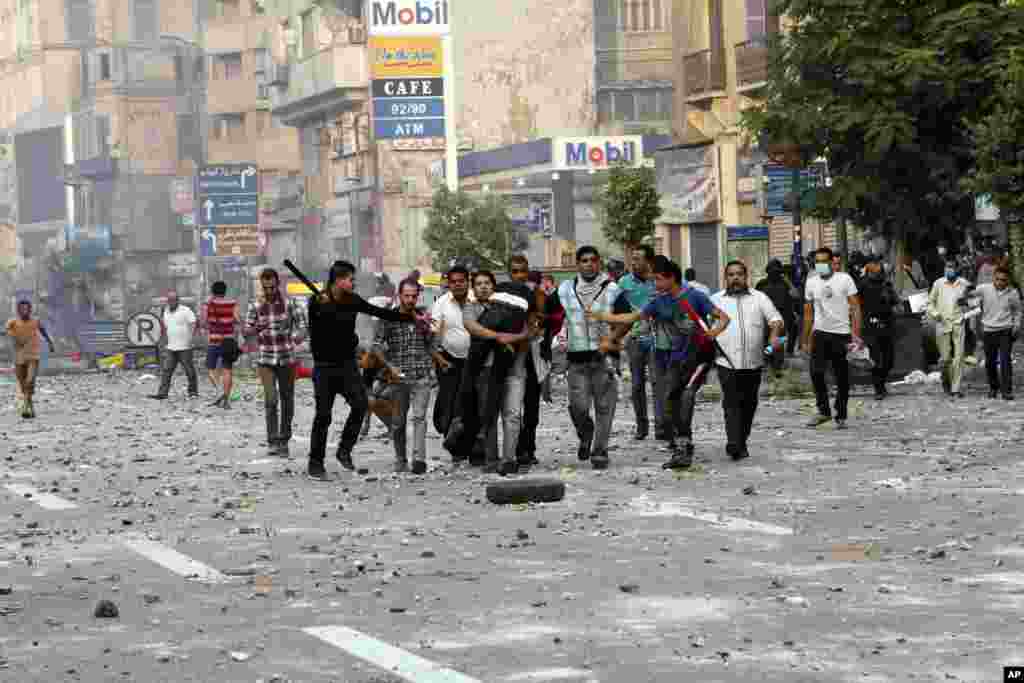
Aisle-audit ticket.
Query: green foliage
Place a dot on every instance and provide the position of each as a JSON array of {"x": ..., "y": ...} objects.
[
  {"x": 999, "y": 145},
  {"x": 629, "y": 205},
  {"x": 462, "y": 228},
  {"x": 886, "y": 92}
]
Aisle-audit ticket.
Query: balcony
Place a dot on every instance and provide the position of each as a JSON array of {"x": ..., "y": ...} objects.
[
  {"x": 704, "y": 74},
  {"x": 751, "y": 64},
  {"x": 320, "y": 82}
]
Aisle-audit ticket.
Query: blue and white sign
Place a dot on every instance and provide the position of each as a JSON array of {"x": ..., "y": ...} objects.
[
  {"x": 432, "y": 107},
  {"x": 408, "y": 108},
  {"x": 208, "y": 242},
  {"x": 228, "y": 194},
  {"x": 397, "y": 129}
]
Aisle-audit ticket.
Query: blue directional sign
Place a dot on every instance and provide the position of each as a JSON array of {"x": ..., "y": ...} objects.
[
  {"x": 208, "y": 242},
  {"x": 228, "y": 194}
]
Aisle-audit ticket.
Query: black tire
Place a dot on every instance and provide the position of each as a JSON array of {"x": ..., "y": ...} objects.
[{"x": 530, "y": 490}]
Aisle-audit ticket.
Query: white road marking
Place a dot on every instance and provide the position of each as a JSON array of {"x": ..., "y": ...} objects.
[
  {"x": 558, "y": 674},
  {"x": 43, "y": 500},
  {"x": 396, "y": 661},
  {"x": 648, "y": 508},
  {"x": 171, "y": 559}
]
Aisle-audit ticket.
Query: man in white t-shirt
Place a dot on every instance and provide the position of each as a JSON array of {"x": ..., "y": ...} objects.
[
  {"x": 179, "y": 327},
  {"x": 831, "y": 313}
]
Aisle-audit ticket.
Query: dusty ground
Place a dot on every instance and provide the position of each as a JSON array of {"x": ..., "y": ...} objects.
[{"x": 726, "y": 573}]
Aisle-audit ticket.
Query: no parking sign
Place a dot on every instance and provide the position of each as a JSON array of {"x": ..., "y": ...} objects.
[{"x": 143, "y": 329}]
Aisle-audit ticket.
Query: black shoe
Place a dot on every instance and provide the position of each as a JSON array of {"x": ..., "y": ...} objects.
[
  {"x": 741, "y": 454},
  {"x": 419, "y": 467},
  {"x": 345, "y": 459},
  {"x": 840, "y": 424},
  {"x": 508, "y": 468},
  {"x": 527, "y": 460},
  {"x": 957, "y": 394},
  {"x": 454, "y": 435},
  {"x": 1007, "y": 397},
  {"x": 491, "y": 468},
  {"x": 477, "y": 461},
  {"x": 316, "y": 471},
  {"x": 880, "y": 395},
  {"x": 599, "y": 460},
  {"x": 993, "y": 393},
  {"x": 583, "y": 454},
  {"x": 219, "y": 403},
  {"x": 680, "y": 460},
  {"x": 641, "y": 434},
  {"x": 159, "y": 397}
]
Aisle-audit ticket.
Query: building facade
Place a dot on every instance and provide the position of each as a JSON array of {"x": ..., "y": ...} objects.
[{"x": 723, "y": 198}]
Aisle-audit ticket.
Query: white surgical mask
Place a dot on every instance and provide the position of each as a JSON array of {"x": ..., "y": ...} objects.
[{"x": 823, "y": 269}]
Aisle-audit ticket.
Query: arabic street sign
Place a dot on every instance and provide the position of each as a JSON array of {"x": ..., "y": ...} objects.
[
  {"x": 228, "y": 194},
  {"x": 237, "y": 240}
]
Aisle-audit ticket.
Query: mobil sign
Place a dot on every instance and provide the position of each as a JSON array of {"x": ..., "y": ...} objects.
[
  {"x": 409, "y": 18},
  {"x": 597, "y": 152}
]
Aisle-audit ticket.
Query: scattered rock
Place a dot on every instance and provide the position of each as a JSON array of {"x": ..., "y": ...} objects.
[
  {"x": 105, "y": 609},
  {"x": 749, "y": 490},
  {"x": 240, "y": 656},
  {"x": 629, "y": 587}
]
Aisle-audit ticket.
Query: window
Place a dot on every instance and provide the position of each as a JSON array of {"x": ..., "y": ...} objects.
[
  {"x": 104, "y": 66},
  {"x": 636, "y": 16},
  {"x": 625, "y": 106},
  {"x": 641, "y": 104},
  {"x": 757, "y": 18},
  {"x": 228, "y": 66},
  {"x": 308, "y": 34},
  {"x": 646, "y": 105},
  {"x": 145, "y": 20},
  {"x": 229, "y": 9},
  {"x": 229, "y": 127}
]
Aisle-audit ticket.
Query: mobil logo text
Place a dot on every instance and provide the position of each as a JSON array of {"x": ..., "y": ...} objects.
[
  {"x": 598, "y": 152},
  {"x": 408, "y": 17}
]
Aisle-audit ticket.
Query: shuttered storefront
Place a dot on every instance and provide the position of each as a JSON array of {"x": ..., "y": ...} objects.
[{"x": 704, "y": 256}]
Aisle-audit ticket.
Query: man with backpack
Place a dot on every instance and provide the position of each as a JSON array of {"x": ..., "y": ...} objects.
[
  {"x": 684, "y": 350},
  {"x": 593, "y": 368}
]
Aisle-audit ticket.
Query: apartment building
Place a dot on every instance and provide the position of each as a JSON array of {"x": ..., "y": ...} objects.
[
  {"x": 129, "y": 74},
  {"x": 723, "y": 198},
  {"x": 239, "y": 39}
]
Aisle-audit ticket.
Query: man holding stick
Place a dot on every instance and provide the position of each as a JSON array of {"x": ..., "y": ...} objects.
[{"x": 333, "y": 340}]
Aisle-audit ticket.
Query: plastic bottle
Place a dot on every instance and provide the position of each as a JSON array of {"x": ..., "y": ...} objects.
[{"x": 768, "y": 350}]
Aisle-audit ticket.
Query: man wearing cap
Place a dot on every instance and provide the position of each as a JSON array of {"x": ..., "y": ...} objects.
[{"x": 24, "y": 332}]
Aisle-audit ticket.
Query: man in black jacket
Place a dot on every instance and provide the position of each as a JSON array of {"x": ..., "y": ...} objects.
[
  {"x": 333, "y": 339},
  {"x": 878, "y": 298},
  {"x": 781, "y": 294}
]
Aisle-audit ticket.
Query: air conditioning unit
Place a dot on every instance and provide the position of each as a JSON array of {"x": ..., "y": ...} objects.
[
  {"x": 279, "y": 75},
  {"x": 357, "y": 35}
]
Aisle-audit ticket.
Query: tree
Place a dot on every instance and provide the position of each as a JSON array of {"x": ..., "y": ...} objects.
[
  {"x": 885, "y": 92},
  {"x": 999, "y": 156},
  {"x": 629, "y": 205},
  {"x": 462, "y": 228}
]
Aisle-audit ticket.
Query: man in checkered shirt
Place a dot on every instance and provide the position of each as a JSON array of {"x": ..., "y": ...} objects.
[
  {"x": 279, "y": 325},
  {"x": 409, "y": 347}
]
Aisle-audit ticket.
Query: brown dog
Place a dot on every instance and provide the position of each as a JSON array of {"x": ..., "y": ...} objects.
[{"x": 374, "y": 360}]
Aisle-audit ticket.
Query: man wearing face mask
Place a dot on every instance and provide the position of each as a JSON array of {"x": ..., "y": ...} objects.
[
  {"x": 831, "y": 313},
  {"x": 946, "y": 306},
  {"x": 878, "y": 299}
]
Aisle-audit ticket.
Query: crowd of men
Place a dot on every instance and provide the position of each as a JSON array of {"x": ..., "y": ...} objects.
[{"x": 485, "y": 351}]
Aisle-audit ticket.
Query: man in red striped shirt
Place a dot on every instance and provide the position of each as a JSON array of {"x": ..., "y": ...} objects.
[{"x": 220, "y": 318}]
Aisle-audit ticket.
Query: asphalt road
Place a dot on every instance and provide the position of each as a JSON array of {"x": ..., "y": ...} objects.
[{"x": 228, "y": 565}]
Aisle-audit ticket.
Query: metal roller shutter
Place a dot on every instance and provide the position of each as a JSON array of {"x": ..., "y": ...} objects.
[{"x": 704, "y": 253}]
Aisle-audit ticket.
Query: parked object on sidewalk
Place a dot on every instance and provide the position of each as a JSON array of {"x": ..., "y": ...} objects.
[{"x": 529, "y": 490}]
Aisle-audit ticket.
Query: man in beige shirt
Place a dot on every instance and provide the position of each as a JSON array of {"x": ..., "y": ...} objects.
[
  {"x": 24, "y": 332},
  {"x": 946, "y": 306}
]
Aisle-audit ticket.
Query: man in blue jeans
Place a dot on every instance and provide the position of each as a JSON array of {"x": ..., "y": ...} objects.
[
  {"x": 638, "y": 288},
  {"x": 1000, "y": 326}
]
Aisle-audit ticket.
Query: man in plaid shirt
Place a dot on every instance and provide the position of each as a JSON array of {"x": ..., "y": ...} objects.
[
  {"x": 278, "y": 325},
  {"x": 409, "y": 347}
]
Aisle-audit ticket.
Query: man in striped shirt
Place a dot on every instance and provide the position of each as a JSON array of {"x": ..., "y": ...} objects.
[
  {"x": 220, "y": 316},
  {"x": 278, "y": 324}
]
